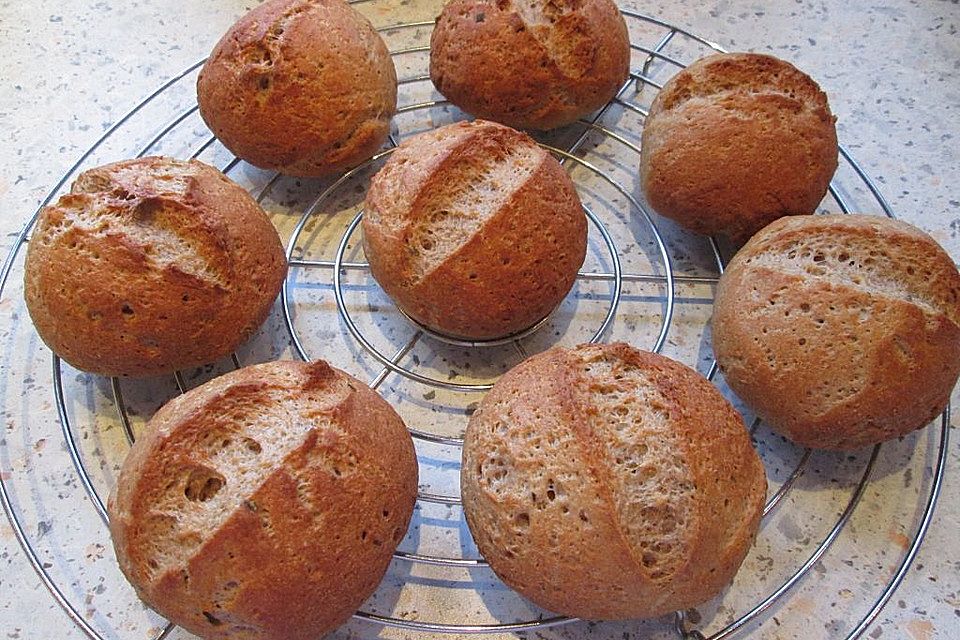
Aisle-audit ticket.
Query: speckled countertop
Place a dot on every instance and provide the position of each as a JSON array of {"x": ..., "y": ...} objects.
[{"x": 71, "y": 68}]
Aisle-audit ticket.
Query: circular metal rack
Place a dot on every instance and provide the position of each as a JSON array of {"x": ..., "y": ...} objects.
[{"x": 601, "y": 153}]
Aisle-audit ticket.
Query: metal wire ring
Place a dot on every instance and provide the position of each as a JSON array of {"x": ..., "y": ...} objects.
[{"x": 446, "y": 384}]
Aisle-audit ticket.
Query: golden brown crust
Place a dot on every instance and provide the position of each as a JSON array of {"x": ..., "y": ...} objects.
[
  {"x": 266, "y": 503},
  {"x": 151, "y": 265},
  {"x": 840, "y": 331},
  {"x": 736, "y": 141},
  {"x": 531, "y": 64},
  {"x": 605, "y": 482},
  {"x": 305, "y": 87},
  {"x": 474, "y": 230}
]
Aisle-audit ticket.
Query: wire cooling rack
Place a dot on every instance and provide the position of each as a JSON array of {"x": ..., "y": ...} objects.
[{"x": 644, "y": 281}]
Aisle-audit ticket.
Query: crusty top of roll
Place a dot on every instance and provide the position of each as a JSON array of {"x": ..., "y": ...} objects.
[
  {"x": 735, "y": 141},
  {"x": 266, "y": 503},
  {"x": 306, "y": 87},
  {"x": 474, "y": 230},
  {"x": 151, "y": 265},
  {"x": 607, "y": 482},
  {"x": 531, "y": 64},
  {"x": 842, "y": 330}
]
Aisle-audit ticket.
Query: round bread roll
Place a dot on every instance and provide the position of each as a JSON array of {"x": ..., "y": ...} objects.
[
  {"x": 151, "y": 265},
  {"x": 304, "y": 87},
  {"x": 474, "y": 230},
  {"x": 840, "y": 331},
  {"x": 735, "y": 141},
  {"x": 606, "y": 482},
  {"x": 265, "y": 504},
  {"x": 531, "y": 64}
]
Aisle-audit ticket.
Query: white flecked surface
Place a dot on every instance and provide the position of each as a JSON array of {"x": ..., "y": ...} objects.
[{"x": 72, "y": 68}]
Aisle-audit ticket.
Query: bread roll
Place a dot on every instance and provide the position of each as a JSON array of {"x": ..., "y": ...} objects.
[
  {"x": 265, "y": 504},
  {"x": 531, "y": 64},
  {"x": 735, "y": 141},
  {"x": 151, "y": 265},
  {"x": 474, "y": 230},
  {"x": 606, "y": 482},
  {"x": 840, "y": 331},
  {"x": 305, "y": 87}
]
